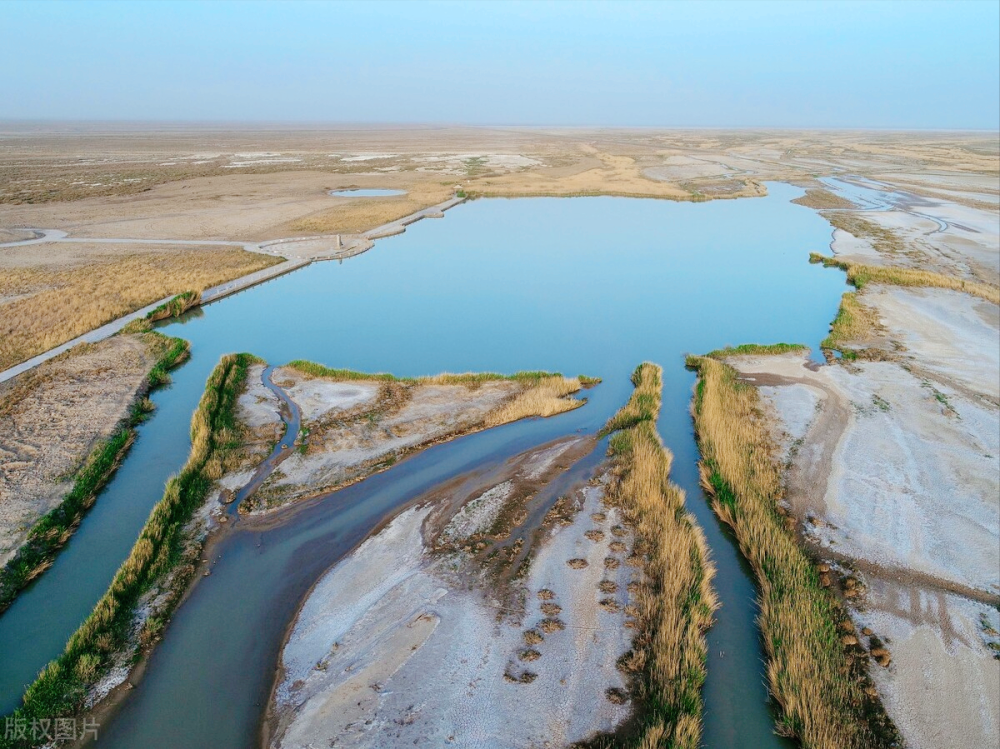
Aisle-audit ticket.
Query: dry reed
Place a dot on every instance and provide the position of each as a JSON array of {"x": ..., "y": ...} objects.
[
  {"x": 854, "y": 323},
  {"x": 822, "y": 691},
  {"x": 675, "y": 601},
  {"x": 860, "y": 275},
  {"x": 544, "y": 397},
  {"x": 58, "y": 304}
]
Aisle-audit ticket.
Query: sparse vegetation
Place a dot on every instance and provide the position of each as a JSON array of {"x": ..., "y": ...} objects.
[
  {"x": 820, "y": 199},
  {"x": 465, "y": 378},
  {"x": 543, "y": 394},
  {"x": 860, "y": 275},
  {"x": 673, "y": 605},
  {"x": 61, "y": 688},
  {"x": 883, "y": 240},
  {"x": 54, "y": 529},
  {"x": 53, "y": 304},
  {"x": 821, "y": 684}
]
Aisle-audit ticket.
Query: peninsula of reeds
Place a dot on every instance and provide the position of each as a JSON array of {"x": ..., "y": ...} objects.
[
  {"x": 674, "y": 600},
  {"x": 825, "y": 696}
]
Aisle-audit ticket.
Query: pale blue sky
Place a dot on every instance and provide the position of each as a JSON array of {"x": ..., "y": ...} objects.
[{"x": 790, "y": 64}]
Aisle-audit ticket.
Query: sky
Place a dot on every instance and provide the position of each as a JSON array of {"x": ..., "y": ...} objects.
[{"x": 901, "y": 64}]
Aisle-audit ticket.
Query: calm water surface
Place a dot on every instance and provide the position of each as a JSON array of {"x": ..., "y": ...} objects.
[{"x": 584, "y": 285}]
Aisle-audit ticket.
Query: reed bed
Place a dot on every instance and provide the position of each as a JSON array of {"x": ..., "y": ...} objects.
[
  {"x": 55, "y": 304},
  {"x": 758, "y": 349},
  {"x": 854, "y": 323},
  {"x": 860, "y": 275},
  {"x": 542, "y": 397},
  {"x": 675, "y": 601},
  {"x": 61, "y": 688},
  {"x": 824, "y": 692},
  {"x": 54, "y": 529}
]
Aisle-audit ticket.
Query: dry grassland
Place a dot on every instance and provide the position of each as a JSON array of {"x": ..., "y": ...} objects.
[
  {"x": 821, "y": 199},
  {"x": 52, "y": 305},
  {"x": 358, "y": 215},
  {"x": 600, "y": 174}
]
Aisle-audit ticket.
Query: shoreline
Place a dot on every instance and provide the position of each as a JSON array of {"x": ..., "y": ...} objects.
[
  {"x": 485, "y": 475},
  {"x": 205, "y": 534},
  {"x": 175, "y": 352},
  {"x": 360, "y": 244}
]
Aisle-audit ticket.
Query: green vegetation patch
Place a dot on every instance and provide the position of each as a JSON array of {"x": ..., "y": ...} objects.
[{"x": 758, "y": 349}]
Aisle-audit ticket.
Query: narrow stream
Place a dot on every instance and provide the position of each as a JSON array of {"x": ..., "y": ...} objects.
[
  {"x": 586, "y": 285},
  {"x": 292, "y": 418}
]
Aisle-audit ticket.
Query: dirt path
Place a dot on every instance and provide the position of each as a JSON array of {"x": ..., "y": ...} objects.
[{"x": 807, "y": 478}]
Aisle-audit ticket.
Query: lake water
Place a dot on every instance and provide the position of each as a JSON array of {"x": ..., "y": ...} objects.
[{"x": 581, "y": 285}]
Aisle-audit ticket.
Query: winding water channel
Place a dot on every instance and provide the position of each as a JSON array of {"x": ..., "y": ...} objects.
[{"x": 583, "y": 285}]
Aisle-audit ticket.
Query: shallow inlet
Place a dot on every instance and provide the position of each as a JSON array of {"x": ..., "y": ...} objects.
[{"x": 584, "y": 285}]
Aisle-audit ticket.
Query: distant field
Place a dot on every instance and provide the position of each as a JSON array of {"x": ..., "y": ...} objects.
[{"x": 44, "y": 305}]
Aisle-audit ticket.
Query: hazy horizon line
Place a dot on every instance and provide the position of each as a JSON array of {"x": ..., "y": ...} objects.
[{"x": 346, "y": 124}]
